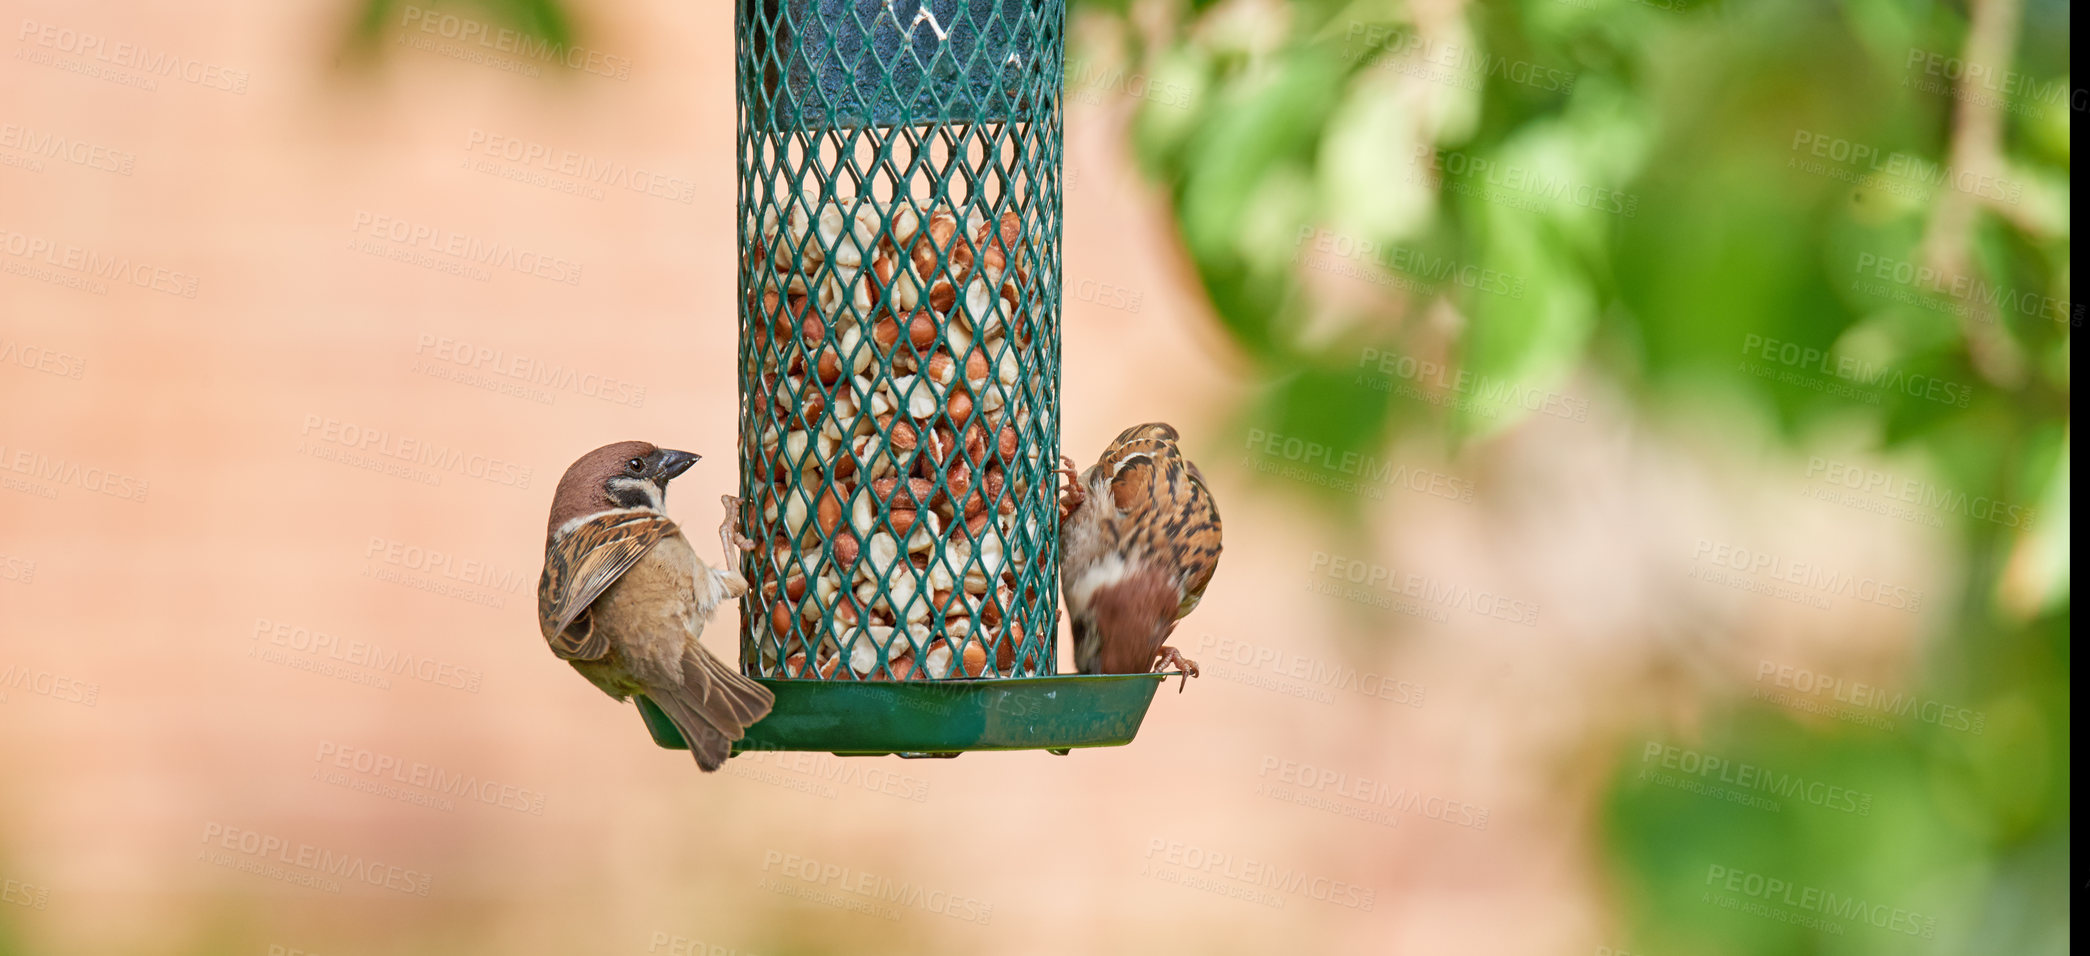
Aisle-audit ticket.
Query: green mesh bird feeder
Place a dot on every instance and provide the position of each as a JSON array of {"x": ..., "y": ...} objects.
[{"x": 899, "y": 217}]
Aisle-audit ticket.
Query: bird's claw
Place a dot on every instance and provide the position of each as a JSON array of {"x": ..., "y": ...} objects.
[
  {"x": 1171, "y": 656},
  {"x": 1072, "y": 496},
  {"x": 729, "y": 534}
]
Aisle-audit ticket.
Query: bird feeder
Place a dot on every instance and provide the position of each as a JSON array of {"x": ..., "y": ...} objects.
[{"x": 899, "y": 292}]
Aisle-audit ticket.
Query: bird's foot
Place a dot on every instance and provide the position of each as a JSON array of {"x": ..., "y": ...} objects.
[
  {"x": 729, "y": 535},
  {"x": 1073, "y": 495},
  {"x": 1068, "y": 469},
  {"x": 1171, "y": 656}
]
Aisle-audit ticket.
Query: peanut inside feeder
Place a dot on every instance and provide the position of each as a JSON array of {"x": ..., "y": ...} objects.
[{"x": 899, "y": 339}]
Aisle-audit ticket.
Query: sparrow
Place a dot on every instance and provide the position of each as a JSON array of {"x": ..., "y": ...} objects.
[
  {"x": 624, "y": 597},
  {"x": 1139, "y": 540}
]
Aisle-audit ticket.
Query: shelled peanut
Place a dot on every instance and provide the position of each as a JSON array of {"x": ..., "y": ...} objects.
[{"x": 892, "y": 400}]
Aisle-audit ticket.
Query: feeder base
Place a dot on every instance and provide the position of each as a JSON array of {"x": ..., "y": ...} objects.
[{"x": 940, "y": 718}]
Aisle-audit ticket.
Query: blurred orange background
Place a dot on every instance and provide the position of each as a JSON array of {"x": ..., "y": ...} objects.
[{"x": 197, "y": 529}]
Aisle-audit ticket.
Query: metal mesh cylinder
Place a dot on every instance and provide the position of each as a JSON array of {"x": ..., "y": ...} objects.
[{"x": 899, "y": 216}]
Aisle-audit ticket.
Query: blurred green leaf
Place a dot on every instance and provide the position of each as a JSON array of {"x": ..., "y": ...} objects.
[
  {"x": 545, "y": 20},
  {"x": 1672, "y": 185}
]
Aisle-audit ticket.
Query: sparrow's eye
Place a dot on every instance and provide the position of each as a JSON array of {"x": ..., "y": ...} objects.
[{"x": 636, "y": 465}]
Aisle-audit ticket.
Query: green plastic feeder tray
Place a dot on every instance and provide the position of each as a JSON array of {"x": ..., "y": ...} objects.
[{"x": 941, "y": 719}]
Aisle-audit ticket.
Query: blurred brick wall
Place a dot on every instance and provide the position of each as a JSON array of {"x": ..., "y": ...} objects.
[{"x": 207, "y": 267}]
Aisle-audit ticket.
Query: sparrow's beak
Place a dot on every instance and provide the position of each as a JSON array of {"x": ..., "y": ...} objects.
[{"x": 673, "y": 463}]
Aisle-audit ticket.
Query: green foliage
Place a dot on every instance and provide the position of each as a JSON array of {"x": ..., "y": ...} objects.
[
  {"x": 1662, "y": 181},
  {"x": 545, "y": 20}
]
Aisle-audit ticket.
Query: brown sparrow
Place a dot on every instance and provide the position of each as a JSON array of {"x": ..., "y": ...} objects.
[
  {"x": 1139, "y": 540},
  {"x": 624, "y": 597}
]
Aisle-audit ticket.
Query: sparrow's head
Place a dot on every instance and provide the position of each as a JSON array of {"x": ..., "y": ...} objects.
[{"x": 628, "y": 474}]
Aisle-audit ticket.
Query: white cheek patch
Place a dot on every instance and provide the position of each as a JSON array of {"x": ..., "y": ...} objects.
[{"x": 648, "y": 490}]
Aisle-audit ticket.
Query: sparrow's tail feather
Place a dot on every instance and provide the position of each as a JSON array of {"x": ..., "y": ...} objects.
[
  {"x": 710, "y": 747},
  {"x": 714, "y": 706},
  {"x": 732, "y": 701}
]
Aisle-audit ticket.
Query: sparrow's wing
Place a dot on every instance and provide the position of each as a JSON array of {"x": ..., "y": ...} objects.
[
  {"x": 1164, "y": 508},
  {"x": 581, "y": 564},
  {"x": 1200, "y": 542}
]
